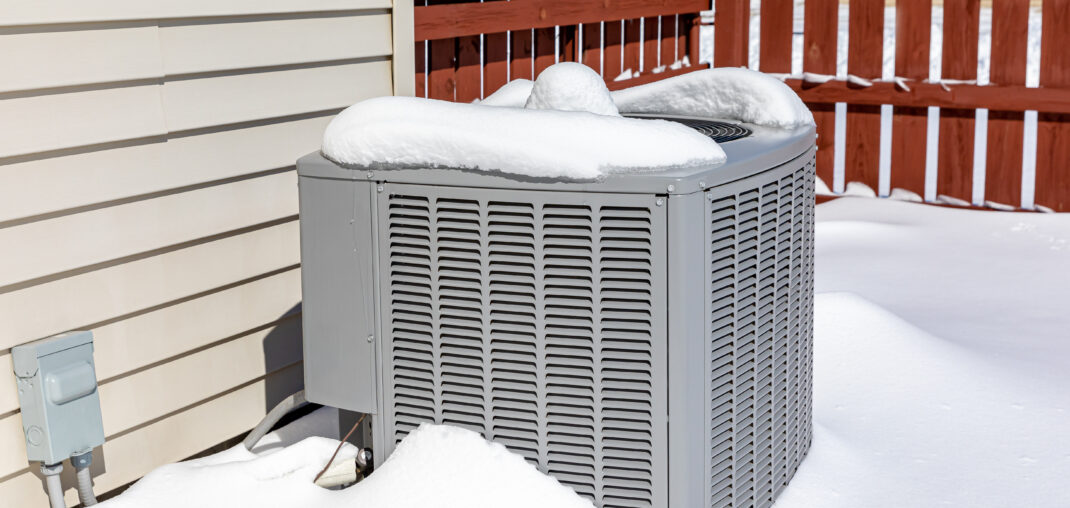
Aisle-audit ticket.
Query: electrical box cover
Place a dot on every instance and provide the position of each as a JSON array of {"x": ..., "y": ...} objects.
[{"x": 60, "y": 406}]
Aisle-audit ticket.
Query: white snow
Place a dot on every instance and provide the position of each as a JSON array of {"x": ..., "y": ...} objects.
[
  {"x": 570, "y": 86},
  {"x": 406, "y": 132},
  {"x": 724, "y": 92},
  {"x": 942, "y": 359},
  {"x": 512, "y": 94},
  {"x": 434, "y": 466},
  {"x": 450, "y": 467}
]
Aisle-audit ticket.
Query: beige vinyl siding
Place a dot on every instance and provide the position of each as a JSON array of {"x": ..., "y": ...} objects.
[{"x": 147, "y": 192}]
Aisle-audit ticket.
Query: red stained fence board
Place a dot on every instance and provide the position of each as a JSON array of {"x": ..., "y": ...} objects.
[
  {"x": 612, "y": 54},
  {"x": 819, "y": 56},
  {"x": 774, "y": 53},
  {"x": 913, "y": 22},
  {"x": 496, "y": 65},
  {"x": 962, "y": 20},
  {"x": 1003, "y": 162},
  {"x": 731, "y": 38},
  {"x": 592, "y": 46},
  {"x": 865, "y": 59},
  {"x": 1053, "y": 130}
]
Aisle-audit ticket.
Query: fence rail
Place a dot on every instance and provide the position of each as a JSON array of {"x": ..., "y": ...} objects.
[{"x": 474, "y": 48}]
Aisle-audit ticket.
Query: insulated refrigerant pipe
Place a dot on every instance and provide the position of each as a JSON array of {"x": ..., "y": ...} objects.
[{"x": 281, "y": 409}]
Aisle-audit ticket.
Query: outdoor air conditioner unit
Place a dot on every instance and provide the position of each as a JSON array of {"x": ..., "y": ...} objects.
[{"x": 645, "y": 338}]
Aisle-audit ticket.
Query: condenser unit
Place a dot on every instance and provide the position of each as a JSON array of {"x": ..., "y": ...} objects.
[{"x": 645, "y": 338}]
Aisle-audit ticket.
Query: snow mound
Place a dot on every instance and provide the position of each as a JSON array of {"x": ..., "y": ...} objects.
[
  {"x": 434, "y": 466},
  {"x": 513, "y": 94},
  {"x": 238, "y": 477},
  {"x": 407, "y": 132},
  {"x": 450, "y": 467},
  {"x": 725, "y": 92},
  {"x": 570, "y": 86},
  {"x": 906, "y": 418}
]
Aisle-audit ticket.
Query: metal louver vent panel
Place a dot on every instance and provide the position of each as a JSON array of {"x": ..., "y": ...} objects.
[
  {"x": 761, "y": 331},
  {"x": 536, "y": 319}
]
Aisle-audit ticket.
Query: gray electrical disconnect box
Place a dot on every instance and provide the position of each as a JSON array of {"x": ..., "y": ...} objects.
[{"x": 57, "y": 385}]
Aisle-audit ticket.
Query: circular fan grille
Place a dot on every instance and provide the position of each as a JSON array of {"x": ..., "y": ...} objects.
[{"x": 721, "y": 132}]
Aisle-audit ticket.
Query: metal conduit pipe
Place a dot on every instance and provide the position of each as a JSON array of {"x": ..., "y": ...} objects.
[
  {"x": 53, "y": 485},
  {"x": 85, "y": 481}
]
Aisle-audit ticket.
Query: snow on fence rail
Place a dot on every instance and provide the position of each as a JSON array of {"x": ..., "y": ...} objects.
[{"x": 468, "y": 55}]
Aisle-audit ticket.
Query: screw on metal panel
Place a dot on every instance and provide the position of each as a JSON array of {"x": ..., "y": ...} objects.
[
  {"x": 709, "y": 196},
  {"x": 379, "y": 188},
  {"x": 659, "y": 202},
  {"x": 371, "y": 338},
  {"x": 672, "y": 188},
  {"x": 370, "y": 175},
  {"x": 702, "y": 185}
]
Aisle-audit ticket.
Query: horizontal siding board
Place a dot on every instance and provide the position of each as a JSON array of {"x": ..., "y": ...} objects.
[
  {"x": 35, "y": 12},
  {"x": 153, "y": 337},
  {"x": 112, "y": 292},
  {"x": 189, "y": 48},
  {"x": 131, "y": 455},
  {"x": 55, "y": 184},
  {"x": 206, "y": 102},
  {"x": 86, "y": 239},
  {"x": 13, "y": 443},
  {"x": 201, "y": 375},
  {"x": 55, "y": 121},
  {"x": 78, "y": 57}
]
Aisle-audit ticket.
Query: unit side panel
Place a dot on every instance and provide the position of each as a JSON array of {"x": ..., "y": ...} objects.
[
  {"x": 337, "y": 285},
  {"x": 759, "y": 332},
  {"x": 537, "y": 319}
]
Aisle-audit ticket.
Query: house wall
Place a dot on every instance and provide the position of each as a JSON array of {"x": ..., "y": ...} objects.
[{"x": 148, "y": 193}]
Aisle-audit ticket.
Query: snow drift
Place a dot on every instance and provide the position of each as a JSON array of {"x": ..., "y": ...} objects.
[
  {"x": 512, "y": 94},
  {"x": 406, "y": 132},
  {"x": 725, "y": 92}
]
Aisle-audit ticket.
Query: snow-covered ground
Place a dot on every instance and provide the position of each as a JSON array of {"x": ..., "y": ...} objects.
[
  {"x": 942, "y": 359},
  {"x": 942, "y": 378}
]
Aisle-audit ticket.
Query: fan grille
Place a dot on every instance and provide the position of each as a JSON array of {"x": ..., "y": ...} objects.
[{"x": 721, "y": 132}]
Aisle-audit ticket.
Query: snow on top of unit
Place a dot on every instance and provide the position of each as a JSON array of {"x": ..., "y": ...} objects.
[
  {"x": 725, "y": 92},
  {"x": 407, "y": 132},
  {"x": 570, "y": 86},
  {"x": 512, "y": 94},
  {"x": 434, "y": 465}
]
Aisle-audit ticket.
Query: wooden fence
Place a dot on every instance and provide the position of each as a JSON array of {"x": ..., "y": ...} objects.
[{"x": 474, "y": 48}]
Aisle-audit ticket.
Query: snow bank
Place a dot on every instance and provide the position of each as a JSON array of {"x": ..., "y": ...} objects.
[
  {"x": 239, "y": 478},
  {"x": 435, "y": 466},
  {"x": 513, "y": 94},
  {"x": 406, "y": 132},
  {"x": 725, "y": 92},
  {"x": 570, "y": 86}
]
